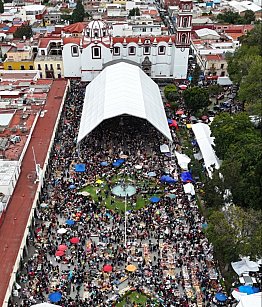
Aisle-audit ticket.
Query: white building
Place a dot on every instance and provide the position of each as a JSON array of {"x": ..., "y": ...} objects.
[
  {"x": 159, "y": 56},
  {"x": 32, "y": 12}
]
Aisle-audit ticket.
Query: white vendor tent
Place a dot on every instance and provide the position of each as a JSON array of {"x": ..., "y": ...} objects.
[
  {"x": 120, "y": 89},
  {"x": 205, "y": 141},
  {"x": 245, "y": 265},
  {"x": 182, "y": 160},
  {"x": 252, "y": 300},
  {"x": 189, "y": 188}
]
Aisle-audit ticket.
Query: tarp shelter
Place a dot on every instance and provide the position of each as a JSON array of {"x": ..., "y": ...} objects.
[
  {"x": 167, "y": 179},
  {"x": 120, "y": 89},
  {"x": 80, "y": 168},
  {"x": 205, "y": 141},
  {"x": 253, "y": 300},
  {"x": 186, "y": 177},
  {"x": 189, "y": 188},
  {"x": 245, "y": 265},
  {"x": 224, "y": 81},
  {"x": 182, "y": 160},
  {"x": 164, "y": 148}
]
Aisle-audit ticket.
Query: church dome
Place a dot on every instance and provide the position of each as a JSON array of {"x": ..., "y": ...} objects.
[{"x": 96, "y": 29}]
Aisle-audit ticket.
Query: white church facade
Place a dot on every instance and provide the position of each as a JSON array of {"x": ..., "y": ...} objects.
[{"x": 85, "y": 55}]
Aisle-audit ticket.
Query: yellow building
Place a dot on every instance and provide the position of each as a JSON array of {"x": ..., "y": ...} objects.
[
  {"x": 19, "y": 57},
  {"x": 119, "y": 2}
]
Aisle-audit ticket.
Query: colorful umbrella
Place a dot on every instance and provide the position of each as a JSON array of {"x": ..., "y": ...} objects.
[
  {"x": 62, "y": 247},
  {"x": 179, "y": 112},
  {"x": 72, "y": 186},
  {"x": 221, "y": 297},
  {"x": 104, "y": 163},
  {"x": 107, "y": 268},
  {"x": 171, "y": 196},
  {"x": 99, "y": 181},
  {"x": 131, "y": 268},
  {"x": 55, "y": 297},
  {"x": 59, "y": 253},
  {"x": 183, "y": 87},
  {"x": 70, "y": 222},
  {"x": 43, "y": 205},
  {"x": 74, "y": 240},
  {"x": 246, "y": 289},
  {"x": 151, "y": 174},
  {"x": 154, "y": 199}
]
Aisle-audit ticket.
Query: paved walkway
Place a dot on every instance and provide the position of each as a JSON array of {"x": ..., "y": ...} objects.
[{"x": 16, "y": 216}]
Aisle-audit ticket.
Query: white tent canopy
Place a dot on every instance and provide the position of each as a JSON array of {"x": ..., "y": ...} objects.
[
  {"x": 45, "y": 305},
  {"x": 205, "y": 141},
  {"x": 182, "y": 160},
  {"x": 120, "y": 89},
  {"x": 245, "y": 265},
  {"x": 252, "y": 300}
]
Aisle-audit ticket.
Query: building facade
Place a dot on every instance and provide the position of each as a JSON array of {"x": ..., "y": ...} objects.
[{"x": 159, "y": 56}]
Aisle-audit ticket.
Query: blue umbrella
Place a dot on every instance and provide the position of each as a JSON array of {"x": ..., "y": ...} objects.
[
  {"x": 116, "y": 164},
  {"x": 204, "y": 225},
  {"x": 255, "y": 289},
  {"x": 104, "y": 163},
  {"x": 171, "y": 196},
  {"x": 169, "y": 121},
  {"x": 221, "y": 297},
  {"x": 246, "y": 289},
  {"x": 154, "y": 199},
  {"x": 55, "y": 297},
  {"x": 120, "y": 161},
  {"x": 72, "y": 186},
  {"x": 151, "y": 174},
  {"x": 70, "y": 222}
]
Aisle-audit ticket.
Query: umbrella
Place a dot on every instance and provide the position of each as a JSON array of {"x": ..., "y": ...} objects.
[
  {"x": 85, "y": 193},
  {"x": 169, "y": 121},
  {"x": 183, "y": 87},
  {"x": 179, "y": 112},
  {"x": 189, "y": 126},
  {"x": 62, "y": 247},
  {"x": 61, "y": 231},
  {"x": 59, "y": 253},
  {"x": 138, "y": 166},
  {"x": 70, "y": 222},
  {"x": 55, "y": 297},
  {"x": 72, "y": 186},
  {"x": 246, "y": 289},
  {"x": 116, "y": 164},
  {"x": 131, "y": 268},
  {"x": 221, "y": 297},
  {"x": 183, "y": 116},
  {"x": 43, "y": 205},
  {"x": 104, "y": 163},
  {"x": 154, "y": 199},
  {"x": 171, "y": 196},
  {"x": 123, "y": 156},
  {"x": 120, "y": 161},
  {"x": 99, "y": 181},
  {"x": 74, "y": 240},
  {"x": 107, "y": 268},
  {"x": 151, "y": 174}
]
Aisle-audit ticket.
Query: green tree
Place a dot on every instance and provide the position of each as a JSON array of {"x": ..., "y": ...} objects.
[
  {"x": 24, "y": 30},
  {"x": 1, "y": 6},
  {"x": 195, "y": 75},
  {"x": 214, "y": 191},
  {"x": 229, "y": 17},
  {"x": 215, "y": 89},
  {"x": 196, "y": 98},
  {"x": 78, "y": 13},
  {"x": 134, "y": 12},
  {"x": 249, "y": 17},
  {"x": 171, "y": 93}
]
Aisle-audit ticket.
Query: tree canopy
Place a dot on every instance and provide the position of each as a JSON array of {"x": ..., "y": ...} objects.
[
  {"x": 196, "y": 98},
  {"x": 171, "y": 93},
  {"x": 78, "y": 13},
  {"x": 134, "y": 12},
  {"x": 1, "y": 6},
  {"x": 24, "y": 31},
  {"x": 232, "y": 17}
]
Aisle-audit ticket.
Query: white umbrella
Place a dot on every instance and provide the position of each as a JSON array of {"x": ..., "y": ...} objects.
[
  {"x": 138, "y": 166},
  {"x": 61, "y": 231},
  {"x": 85, "y": 193},
  {"x": 45, "y": 305},
  {"x": 43, "y": 205}
]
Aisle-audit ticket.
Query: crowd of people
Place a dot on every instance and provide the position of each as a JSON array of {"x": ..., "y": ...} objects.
[{"x": 78, "y": 248}]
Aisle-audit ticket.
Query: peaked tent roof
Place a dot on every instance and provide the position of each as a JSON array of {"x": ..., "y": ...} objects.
[{"x": 120, "y": 89}]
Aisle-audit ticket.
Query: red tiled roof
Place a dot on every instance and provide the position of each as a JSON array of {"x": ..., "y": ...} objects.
[
  {"x": 75, "y": 27},
  {"x": 44, "y": 42},
  {"x": 71, "y": 40},
  {"x": 213, "y": 57},
  {"x": 12, "y": 29}
]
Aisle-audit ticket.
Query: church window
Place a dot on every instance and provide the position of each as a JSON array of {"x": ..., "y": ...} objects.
[
  {"x": 185, "y": 22},
  {"x": 161, "y": 50},
  {"x": 146, "y": 50},
  {"x": 96, "y": 53},
  {"x": 183, "y": 38},
  {"x": 116, "y": 50},
  {"x": 132, "y": 50},
  {"x": 74, "y": 51}
]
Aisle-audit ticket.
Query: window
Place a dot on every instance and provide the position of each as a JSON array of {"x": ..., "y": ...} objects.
[
  {"x": 74, "y": 51},
  {"x": 39, "y": 67},
  {"x": 161, "y": 50},
  {"x": 46, "y": 67},
  {"x": 22, "y": 67},
  {"x": 144, "y": 30},
  {"x": 31, "y": 67},
  {"x": 58, "y": 66},
  {"x": 96, "y": 53},
  {"x": 42, "y": 52},
  {"x": 183, "y": 38},
  {"x": 116, "y": 50},
  {"x": 51, "y": 66},
  {"x": 10, "y": 68},
  {"x": 222, "y": 74},
  {"x": 147, "y": 41},
  {"x": 132, "y": 50},
  {"x": 185, "y": 21},
  {"x": 146, "y": 50},
  {"x": 222, "y": 66}
]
